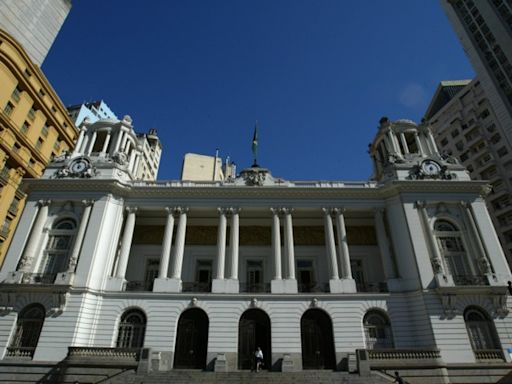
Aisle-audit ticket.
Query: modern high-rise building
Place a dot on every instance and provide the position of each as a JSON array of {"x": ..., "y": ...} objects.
[
  {"x": 34, "y": 128},
  {"x": 485, "y": 31},
  {"x": 207, "y": 168},
  {"x": 466, "y": 127},
  {"x": 94, "y": 111},
  {"x": 34, "y": 23},
  {"x": 401, "y": 272}
]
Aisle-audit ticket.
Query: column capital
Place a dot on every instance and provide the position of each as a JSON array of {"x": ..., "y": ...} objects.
[
  {"x": 275, "y": 210},
  {"x": 87, "y": 203},
  {"x": 234, "y": 210},
  {"x": 131, "y": 209},
  {"x": 286, "y": 210},
  {"x": 418, "y": 204},
  {"x": 179, "y": 210},
  {"x": 43, "y": 203},
  {"x": 464, "y": 204},
  {"x": 339, "y": 210},
  {"x": 379, "y": 210}
]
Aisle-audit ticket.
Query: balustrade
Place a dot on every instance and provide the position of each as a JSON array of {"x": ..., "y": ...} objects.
[
  {"x": 20, "y": 352},
  {"x": 489, "y": 354},
  {"x": 470, "y": 280},
  {"x": 254, "y": 287},
  {"x": 194, "y": 286},
  {"x": 130, "y": 354}
]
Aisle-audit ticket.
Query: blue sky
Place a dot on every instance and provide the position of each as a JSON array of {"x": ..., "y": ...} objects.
[{"x": 316, "y": 74}]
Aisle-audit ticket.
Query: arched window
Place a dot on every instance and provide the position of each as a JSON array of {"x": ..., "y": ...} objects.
[
  {"x": 377, "y": 331},
  {"x": 58, "y": 248},
  {"x": 481, "y": 331},
  {"x": 28, "y": 328},
  {"x": 132, "y": 329},
  {"x": 449, "y": 240}
]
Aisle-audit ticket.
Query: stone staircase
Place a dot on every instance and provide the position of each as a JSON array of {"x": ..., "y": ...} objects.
[{"x": 243, "y": 377}]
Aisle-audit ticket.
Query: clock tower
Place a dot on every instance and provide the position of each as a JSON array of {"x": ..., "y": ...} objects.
[
  {"x": 109, "y": 149},
  {"x": 404, "y": 150}
]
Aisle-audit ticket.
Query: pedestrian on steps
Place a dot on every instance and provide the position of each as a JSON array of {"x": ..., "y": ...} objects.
[
  {"x": 398, "y": 379},
  {"x": 259, "y": 359}
]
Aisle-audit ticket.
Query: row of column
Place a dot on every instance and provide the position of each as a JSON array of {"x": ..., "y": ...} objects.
[{"x": 339, "y": 262}]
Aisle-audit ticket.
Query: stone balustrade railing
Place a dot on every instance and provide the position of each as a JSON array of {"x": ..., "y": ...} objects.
[
  {"x": 296, "y": 184},
  {"x": 20, "y": 352},
  {"x": 490, "y": 354},
  {"x": 92, "y": 353},
  {"x": 403, "y": 354}
]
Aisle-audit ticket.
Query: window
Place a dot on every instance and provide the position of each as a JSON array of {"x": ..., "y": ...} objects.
[
  {"x": 39, "y": 143},
  {"x": 254, "y": 275},
  {"x": 28, "y": 328},
  {"x": 502, "y": 151},
  {"x": 305, "y": 275},
  {"x": 9, "y": 107},
  {"x": 31, "y": 114},
  {"x": 16, "y": 94},
  {"x": 481, "y": 332},
  {"x": 455, "y": 133},
  {"x": 449, "y": 241},
  {"x": 131, "y": 329},
  {"x": 25, "y": 127},
  {"x": 377, "y": 330},
  {"x": 60, "y": 241},
  {"x": 444, "y": 142},
  {"x": 204, "y": 272},
  {"x": 45, "y": 130},
  {"x": 151, "y": 273}
]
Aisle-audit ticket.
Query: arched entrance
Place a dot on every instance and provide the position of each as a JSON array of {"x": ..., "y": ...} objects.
[
  {"x": 317, "y": 340},
  {"x": 253, "y": 332},
  {"x": 191, "y": 340}
]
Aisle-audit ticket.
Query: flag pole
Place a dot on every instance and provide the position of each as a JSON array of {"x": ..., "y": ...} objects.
[{"x": 255, "y": 145}]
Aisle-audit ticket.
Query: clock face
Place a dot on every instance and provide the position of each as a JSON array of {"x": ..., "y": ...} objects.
[
  {"x": 79, "y": 165},
  {"x": 431, "y": 168}
]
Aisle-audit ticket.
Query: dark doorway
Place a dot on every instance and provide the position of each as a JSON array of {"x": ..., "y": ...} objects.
[
  {"x": 253, "y": 332},
  {"x": 317, "y": 340},
  {"x": 191, "y": 340}
]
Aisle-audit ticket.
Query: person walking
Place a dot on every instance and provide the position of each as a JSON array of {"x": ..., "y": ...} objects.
[
  {"x": 259, "y": 359},
  {"x": 398, "y": 379}
]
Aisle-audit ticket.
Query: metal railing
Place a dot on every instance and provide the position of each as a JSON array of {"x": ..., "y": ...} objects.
[
  {"x": 313, "y": 287},
  {"x": 470, "y": 280},
  {"x": 194, "y": 286},
  {"x": 254, "y": 287}
]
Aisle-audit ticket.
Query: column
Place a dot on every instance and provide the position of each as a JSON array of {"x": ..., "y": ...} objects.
[
  {"x": 404, "y": 142},
  {"x": 384, "y": 246},
  {"x": 276, "y": 243},
  {"x": 166, "y": 244},
  {"x": 233, "y": 242},
  {"x": 482, "y": 256},
  {"x": 330, "y": 245},
  {"x": 80, "y": 139},
  {"x": 432, "y": 142},
  {"x": 136, "y": 165},
  {"x": 436, "y": 258},
  {"x": 346, "y": 269},
  {"x": 32, "y": 248},
  {"x": 288, "y": 238},
  {"x": 105, "y": 144},
  {"x": 126, "y": 242},
  {"x": 221, "y": 243},
  {"x": 179, "y": 246},
  {"x": 119, "y": 137},
  {"x": 132, "y": 160},
  {"x": 73, "y": 259},
  {"x": 421, "y": 151},
  {"x": 92, "y": 142},
  {"x": 348, "y": 284}
]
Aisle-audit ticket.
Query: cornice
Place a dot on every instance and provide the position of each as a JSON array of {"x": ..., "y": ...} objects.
[{"x": 162, "y": 191}]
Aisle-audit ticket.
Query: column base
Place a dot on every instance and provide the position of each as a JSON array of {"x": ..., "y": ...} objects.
[
  {"x": 167, "y": 284},
  {"x": 444, "y": 280},
  {"x": 64, "y": 278},
  {"x": 225, "y": 286},
  {"x": 342, "y": 286},
  {"x": 115, "y": 283},
  {"x": 284, "y": 286}
]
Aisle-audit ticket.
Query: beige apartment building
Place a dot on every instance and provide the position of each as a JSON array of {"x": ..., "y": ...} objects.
[
  {"x": 466, "y": 126},
  {"x": 34, "y": 127}
]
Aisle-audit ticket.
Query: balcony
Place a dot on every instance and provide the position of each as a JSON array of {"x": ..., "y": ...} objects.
[
  {"x": 255, "y": 287},
  {"x": 119, "y": 355},
  {"x": 489, "y": 355},
  {"x": 313, "y": 287},
  {"x": 194, "y": 286},
  {"x": 39, "y": 278},
  {"x": 138, "y": 286},
  {"x": 470, "y": 280},
  {"x": 20, "y": 352}
]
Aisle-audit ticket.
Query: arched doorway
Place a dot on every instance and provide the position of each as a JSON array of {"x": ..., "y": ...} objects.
[
  {"x": 191, "y": 340},
  {"x": 317, "y": 340},
  {"x": 253, "y": 332}
]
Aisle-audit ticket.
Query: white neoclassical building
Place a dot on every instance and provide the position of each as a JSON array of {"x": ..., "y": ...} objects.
[{"x": 403, "y": 271}]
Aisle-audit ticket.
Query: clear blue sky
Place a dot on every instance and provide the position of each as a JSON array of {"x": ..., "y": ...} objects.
[{"x": 317, "y": 74}]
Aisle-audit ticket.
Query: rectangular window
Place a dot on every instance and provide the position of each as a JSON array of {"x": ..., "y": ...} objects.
[
  {"x": 45, "y": 130},
  {"x": 25, "y": 127},
  {"x": 204, "y": 272},
  {"x": 306, "y": 275},
  {"x": 151, "y": 273},
  {"x": 16, "y": 94},
  {"x": 254, "y": 276},
  {"x": 39, "y": 143},
  {"x": 31, "y": 114},
  {"x": 9, "y": 107},
  {"x": 56, "y": 145}
]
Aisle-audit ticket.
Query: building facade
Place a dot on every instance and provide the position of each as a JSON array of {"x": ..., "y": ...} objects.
[
  {"x": 34, "y": 23},
  {"x": 485, "y": 31},
  {"x": 198, "y": 167},
  {"x": 199, "y": 274},
  {"x": 34, "y": 127},
  {"x": 466, "y": 126}
]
